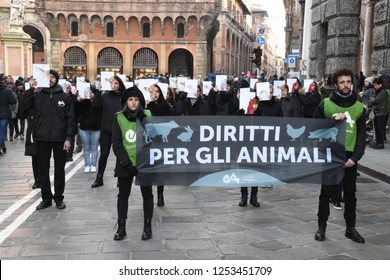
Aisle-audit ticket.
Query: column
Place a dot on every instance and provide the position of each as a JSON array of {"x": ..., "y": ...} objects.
[
  {"x": 306, "y": 40},
  {"x": 367, "y": 43}
]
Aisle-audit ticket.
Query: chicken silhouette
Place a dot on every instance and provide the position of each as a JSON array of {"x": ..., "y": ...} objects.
[{"x": 295, "y": 133}]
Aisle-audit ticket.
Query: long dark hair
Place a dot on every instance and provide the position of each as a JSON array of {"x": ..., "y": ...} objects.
[{"x": 122, "y": 87}]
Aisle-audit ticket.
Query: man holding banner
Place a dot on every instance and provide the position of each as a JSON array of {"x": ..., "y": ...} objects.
[{"x": 343, "y": 104}]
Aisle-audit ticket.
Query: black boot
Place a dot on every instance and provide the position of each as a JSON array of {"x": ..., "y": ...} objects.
[
  {"x": 98, "y": 182},
  {"x": 147, "y": 234},
  {"x": 320, "y": 234},
  {"x": 121, "y": 232},
  {"x": 160, "y": 198},
  {"x": 244, "y": 199},
  {"x": 352, "y": 234},
  {"x": 253, "y": 199}
]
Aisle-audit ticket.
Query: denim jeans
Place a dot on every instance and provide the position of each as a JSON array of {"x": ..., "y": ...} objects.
[
  {"x": 3, "y": 131},
  {"x": 90, "y": 139}
]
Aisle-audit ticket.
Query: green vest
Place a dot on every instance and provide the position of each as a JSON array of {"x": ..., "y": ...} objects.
[
  {"x": 129, "y": 135},
  {"x": 354, "y": 111}
]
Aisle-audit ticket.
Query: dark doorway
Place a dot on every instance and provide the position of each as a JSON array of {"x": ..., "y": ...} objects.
[
  {"x": 181, "y": 62},
  {"x": 37, "y": 48}
]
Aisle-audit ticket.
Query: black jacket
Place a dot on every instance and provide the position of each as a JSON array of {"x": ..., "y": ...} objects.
[
  {"x": 111, "y": 104},
  {"x": 310, "y": 101},
  {"x": 269, "y": 108},
  {"x": 53, "y": 114},
  {"x": 186, "y": 108},
  {"x": 6, "y": 98},
  {"x": 361, "y": 122},
  {"x": 90, "y": 113}
]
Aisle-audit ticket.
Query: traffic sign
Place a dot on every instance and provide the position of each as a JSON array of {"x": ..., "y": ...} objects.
[
  {"x": 291, "y": 62},
  {"x": 260, "y": 40}
]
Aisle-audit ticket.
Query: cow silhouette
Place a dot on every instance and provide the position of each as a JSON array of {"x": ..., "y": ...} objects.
[
  {"x": 186, "y": 136},
  {"x": 325, "y": 133},
  {"x": 152, "y": 130}
]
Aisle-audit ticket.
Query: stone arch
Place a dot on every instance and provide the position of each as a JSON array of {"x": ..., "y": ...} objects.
[
  {"x": 38, "y": 48},
  {"x": 145, "y": 61},
  {"x": 75, "y": 62},
  {"x": 110, "y": 59},
  {"x": 181, "y": 62}
]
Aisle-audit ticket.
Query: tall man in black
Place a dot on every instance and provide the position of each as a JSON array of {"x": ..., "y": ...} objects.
[
  {"x": 343, "y": 104},
  {"x": 52, "y": 131}
]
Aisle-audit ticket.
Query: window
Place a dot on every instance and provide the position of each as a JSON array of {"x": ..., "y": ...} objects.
[
  {"x": 146, "y": 30},
  {"x": 110, "y": 29},
  {"x": 74, "y": 28},
  {"x": 180, "y": 30}
]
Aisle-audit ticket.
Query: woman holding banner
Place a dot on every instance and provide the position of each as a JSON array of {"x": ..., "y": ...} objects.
[
  {"x": 159, "y": 107},
  {"x": 124, "y": 146}
]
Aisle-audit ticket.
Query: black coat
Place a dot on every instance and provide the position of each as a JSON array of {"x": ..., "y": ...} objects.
[
  {"x": 53, "y": 114},
  {"x": 269, "y": 108},
  {"x": 6, "y": 98},
  {"x": 90, "y": 113},
  {"x": 111, "y": 105}
]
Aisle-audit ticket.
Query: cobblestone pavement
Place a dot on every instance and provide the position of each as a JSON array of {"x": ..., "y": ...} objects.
[{"x": 196, "y": 223}]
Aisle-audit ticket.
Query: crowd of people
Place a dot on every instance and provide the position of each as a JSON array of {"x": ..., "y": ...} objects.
[{"x": 57, "y": 117}]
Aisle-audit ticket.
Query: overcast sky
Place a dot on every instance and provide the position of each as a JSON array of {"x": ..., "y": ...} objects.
[{"x": 276, "y": 20}]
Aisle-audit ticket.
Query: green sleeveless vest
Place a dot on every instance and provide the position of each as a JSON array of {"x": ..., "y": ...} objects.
[
  {"x": 129, "y": 135},
  {"x": 354, "y": 111}
]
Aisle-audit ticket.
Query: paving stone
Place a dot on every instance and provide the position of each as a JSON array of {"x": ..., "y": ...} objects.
[{"x": 187, "y": 244}]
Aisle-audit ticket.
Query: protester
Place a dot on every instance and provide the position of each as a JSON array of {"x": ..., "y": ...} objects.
[
  {"x": 111, "y": 104},
  {"x": 90, "y": 111},
  {"x": 68, "y": 90},
  {"x": 125, "y": 168},
  {"x": 379, "y": 104},
  {"x": 189, "y": 106},
  {"x": 21, "y": 96},
  {"x": 30, "y": 147},
  {"x": 310, "y": 100},
  {"x": 343, "y": 103},
  {"x": 52, "y": 132},
  {"x": 158, "y": 106},
  {"x": 7, "y": 99}
]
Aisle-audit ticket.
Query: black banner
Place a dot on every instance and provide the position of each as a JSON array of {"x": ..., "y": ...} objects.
[{"x": 235, "y": 151}]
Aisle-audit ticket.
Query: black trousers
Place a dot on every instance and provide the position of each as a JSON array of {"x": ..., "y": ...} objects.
[
  {"x": 349, "y": 187},
  {"x": 380, "y": 128},
  {"x": 105, "y": 148},
  {"x": 44, "y": 150},
  {"x": 124, "y": 194},
  {"x": 35, "y": 167},
  {"x": 13, "y": 127},
  {"x": 253, "y": 190}
]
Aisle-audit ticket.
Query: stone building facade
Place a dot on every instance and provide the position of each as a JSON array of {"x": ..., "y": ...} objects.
[
  {"x": 334, "y": 35},
  {"x": 381, "y": 36},
  {"x": 132, "y": 37}
]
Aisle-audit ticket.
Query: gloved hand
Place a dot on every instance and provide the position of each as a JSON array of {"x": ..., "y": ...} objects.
[{"x": 132, "y": 169}]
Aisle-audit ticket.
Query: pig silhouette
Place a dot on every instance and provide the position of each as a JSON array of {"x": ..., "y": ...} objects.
[{"x": 325, "y": 133}]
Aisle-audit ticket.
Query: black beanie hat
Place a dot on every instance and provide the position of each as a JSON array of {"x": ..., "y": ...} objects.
[
  {"x": 133, "y": 91},
  {"x": 56, "y": 75}
]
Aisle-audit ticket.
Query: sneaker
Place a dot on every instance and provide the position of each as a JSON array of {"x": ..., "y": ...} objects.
[
  {"x": 1, "y": 153},
  {"x": 21, "y": 137},
  {"x": 93, "y": 169},
  {"x": 337, "y": 205},
  {"x": 87, "y": 169}
]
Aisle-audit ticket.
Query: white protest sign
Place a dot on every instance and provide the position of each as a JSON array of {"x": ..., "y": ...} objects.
[
  {"x": 42, "y": 73},
  {"x": 290, "y": 83},
  {"x": 128, "y": 84},
  {"x": 173, "y": 82},
  {"x": 191, "y": 87},
  {"x": 245, "y": 96},
  {"x": 262, "y": 91},
  {"x": 164, "y": 88},
  {"x": 307, "y": 83},
  {"x": 181, "y": 83},
  {"x": 221, "y": 82},
  {"x": 105, "y": 80},
  {"x": 277, "y": 87},
  {"x": 84, "y": 90},
  {"x": 62, "y": 83},
  {"x": 207, "y": 85}
]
